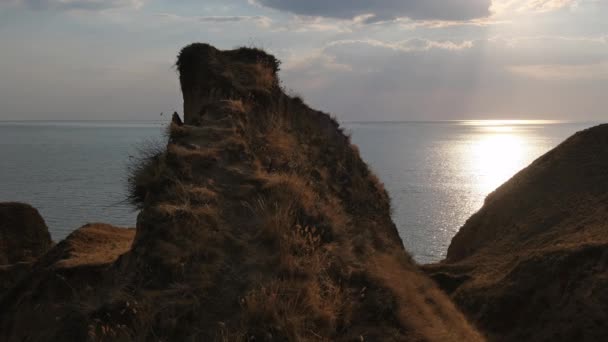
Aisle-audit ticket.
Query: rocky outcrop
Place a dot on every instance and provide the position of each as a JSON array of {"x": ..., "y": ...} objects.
[
  {"x": 259, "y": 222},
  {"x": 23, "y": 234},
  {"x": 532, "y": 264},
  {"x": 209, "y": 76},
  {"x": 50, "y": 299}
]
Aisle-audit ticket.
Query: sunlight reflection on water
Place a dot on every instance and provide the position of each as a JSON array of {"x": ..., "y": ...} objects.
[
  {"x": 438, "y": 174},
  {"x": 494, "y": 157}
]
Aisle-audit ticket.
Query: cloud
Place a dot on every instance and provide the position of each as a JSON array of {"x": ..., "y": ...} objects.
[
  {"x": 301, "y": 24},
  {"x": 562, "y": 72},
  {"x": 440, "y": 24},
  {"x": 261, "y": 21},
  {"x": 383, "y": 10},
  {"x": 341, "y": 58},
  {"x": 427, "y": 79},
  {"x": 593, "y": 41},
  {"x": 408, "y": 45},
  {"x": 533, "y": 6},
  {"x": 86, "y": 5},
  {"x": 317, "y": 60},
  {"x": 411, "y": 78},
  {"x": 547, "y": 5}
]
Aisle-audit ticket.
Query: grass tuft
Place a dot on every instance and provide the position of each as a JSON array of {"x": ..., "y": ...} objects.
[{"x": 145, "y": 171}]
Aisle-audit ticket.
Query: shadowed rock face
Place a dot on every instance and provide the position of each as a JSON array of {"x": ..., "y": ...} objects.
[
  {"x": 532, "y": 264},
  {"x": 23, "y": 234},
  {"x": 269, "y": 222},
  {"x": 50, "y": 299},
  {"x": 259, "y": 221},
  {"x": 208, "y": 76}
]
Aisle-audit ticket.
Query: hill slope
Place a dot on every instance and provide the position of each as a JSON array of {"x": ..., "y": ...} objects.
[
  {"x": 260, "y": 222},
  {"x": 49, "y": 301},
  {"x": 532, "y": 264}
]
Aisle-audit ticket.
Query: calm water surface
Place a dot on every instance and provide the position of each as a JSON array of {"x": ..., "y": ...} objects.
[
  {"x": 436, "y": 173},
  {"x": 72, "y": 172}
]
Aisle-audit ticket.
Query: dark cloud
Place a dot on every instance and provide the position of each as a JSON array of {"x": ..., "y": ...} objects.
[{"x": 380, "y": 10}]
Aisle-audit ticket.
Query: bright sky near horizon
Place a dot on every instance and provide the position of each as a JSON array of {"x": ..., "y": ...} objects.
[{"x": 361, "y": 60}]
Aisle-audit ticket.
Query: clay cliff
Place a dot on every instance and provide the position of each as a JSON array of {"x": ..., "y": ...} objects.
[
  {"x": 532, "y": 264},
  {"x": 259, "y": 222}
]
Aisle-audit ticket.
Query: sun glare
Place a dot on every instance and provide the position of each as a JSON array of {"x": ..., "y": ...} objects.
[
  {"x": 495, "y": 156},
  {"x": 503, "y": 123}
]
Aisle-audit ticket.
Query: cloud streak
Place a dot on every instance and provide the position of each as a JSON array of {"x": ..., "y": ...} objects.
[
  {"x": 408, "y": 45},
  {"x": 533, "y": 6},
  {"x": 547, "y": 5},
  {"x": 562, "y": 72},
  {"x": 261, "y": 21},
  {"x": 85, "y": 5},
  {"x": 384, "y": 10}
]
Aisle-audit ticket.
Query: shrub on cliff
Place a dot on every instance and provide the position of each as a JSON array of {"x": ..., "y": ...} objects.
[{"x": 145, "y": 172}]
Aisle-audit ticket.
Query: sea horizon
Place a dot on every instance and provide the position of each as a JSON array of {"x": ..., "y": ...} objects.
[
  {"x": 167, "y": 118},
  {"x": 436, "y": 172}
]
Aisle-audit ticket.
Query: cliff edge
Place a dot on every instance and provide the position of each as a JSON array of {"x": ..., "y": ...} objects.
[
  {"x": 259, "y": 222},
  {"x": 532, "y": 264}
]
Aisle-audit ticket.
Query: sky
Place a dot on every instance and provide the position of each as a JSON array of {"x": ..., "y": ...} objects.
[{"x": 375, "y": 60}]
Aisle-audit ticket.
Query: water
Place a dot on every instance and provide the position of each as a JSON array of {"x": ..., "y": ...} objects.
[
  {"x": 437, "y": 174},
  {"x": 72, "y": 172}
]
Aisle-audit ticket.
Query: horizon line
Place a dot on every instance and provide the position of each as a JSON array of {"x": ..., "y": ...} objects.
[{"x": 472, "y": 121}]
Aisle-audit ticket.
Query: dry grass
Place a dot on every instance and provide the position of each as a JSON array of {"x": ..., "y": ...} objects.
[
  {"x": 236, "y": 105},
  {"x": 288, "y": 199},
  {"x": 280, "y": 303},
  {"x": 193, "y": 202},
  {"x": 96, "y": 244},
  {"x": 193, "y": 151},
  {"x": 280, "y": 142},
  {"x": 305, "y": 301},
  {"x": 265, "y": 77},
  {"x": 146, "y": 171},
  {"x": 428, "y": 309},
  {"x": 304, "y": 297}
]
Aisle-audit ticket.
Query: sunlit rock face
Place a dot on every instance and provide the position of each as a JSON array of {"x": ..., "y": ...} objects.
[{"x": 532, "y": 264}]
